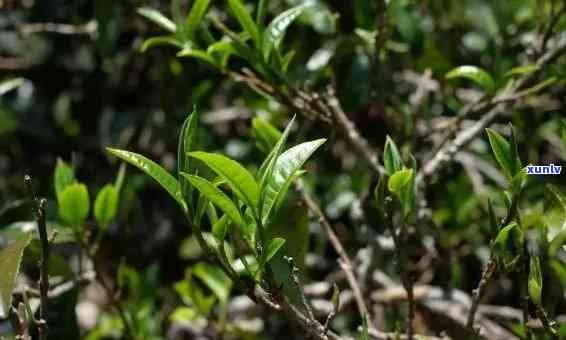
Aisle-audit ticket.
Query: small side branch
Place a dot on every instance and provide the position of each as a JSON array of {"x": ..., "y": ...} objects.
[{"x": 479, "y": 291}]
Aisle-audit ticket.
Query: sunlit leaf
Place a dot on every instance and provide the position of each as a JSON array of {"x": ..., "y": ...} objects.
[
  {"x": 287, "y": 164},
  {"x": 152, "y": 169},
  {"x": 185, "y": 145},
  {"x": 245, "y": 19},
  {"x": 522, "y": 70},
  {"x": 503, "y": 154},
  {"x": 475, "y": 74},
  {"x": 238, "y": 178},
  {"x": 74, "y": 204},
  {"x": 391, "y": 157},
  {"x": 160, "y": 41},
  {"x": 399, "y": 179},
  {"x": 216, "y": 196},
  {"x": 195, "y": 16},
  {"x": 64, "y": 176},
  {"x": 106, "y": 205},
  {"x": 156, "y": 17},
  {"x": 275, "y": 31},
  {"x": 10, "y": 259},
  {"x": 272, "y": 248},
  {"x": 220, "y": 228}
]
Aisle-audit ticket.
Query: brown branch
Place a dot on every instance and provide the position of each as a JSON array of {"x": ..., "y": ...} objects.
[
  {"x": 89, "y": 28},
  {"x": 479, "y": 291}
]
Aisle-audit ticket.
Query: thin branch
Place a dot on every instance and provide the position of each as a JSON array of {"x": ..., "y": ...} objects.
[
  {"x": 345, "y": 261},
  {"x": 89, "y": 28},
  {"x": 294, "y": 273},
  {"x": 43, "y": 264},
  {"x": 479, "y": 291}
]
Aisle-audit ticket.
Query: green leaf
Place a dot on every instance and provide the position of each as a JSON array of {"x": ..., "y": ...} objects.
[
  {"x": 399, "y": 179},
  {"x": 215, "y": 279},
  {"x": 198, "y": 54},
  {"x": 120, "y": 178},
  {"x": 275, "y": 31},
  {"x": 74, "y": 204},
  {"x": 152, "y": 169},
  {"x": 238, "y": 178},
  {"x": 475, "y": 74},
  {"x": 185, "y": 144},
  {"x": 245, "y": 19},
  {"x": 508, "y": 245},
  {"x": 220, "y": 228},
  {"x": 216, "y": 196},
  {"x": 522, "y": 70},
  {"x": 503, "y": 154},
  {"x": 195, "y": 16},
  {"x": 158, "y": 18},
  {"x": 160, "y": 41},
  {"x": 514, "y": 152},
  {"x": 266, "y": 135},
  {"x": 266, "y": 168},
  {"x": 272, "y": 248},
  {"x": 106, "y": 205},
  {"x": 283, "y": 172},
  {"x": 10, "y": 259},
  {"x": 64, "y": 176},
  {"x": 391, "y": 157},
  {"x": 379, "y": 195},
  {"x": 535, "y": 281},
  {"x": 335, "y": 297}
]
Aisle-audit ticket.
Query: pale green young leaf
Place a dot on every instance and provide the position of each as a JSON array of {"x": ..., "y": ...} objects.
[
  {"x": 10, "y": 259},
  {"x": 191, "y": 52},
  {"x": 74, "y": 204},
  {"x": 275, "y": 31},
  {"x": 503, "y": 154},
  {"x": 391, "y": 157},
  {"x": 152, "y": 169},
  {"x": 119, "y": 182},
  {"x": 267, "y": 167},
  {"x": 156, "y": 17},
  {"x": 216, "y": 196},
  {"x": 399, "y": 180},
  {"x": 245, "y": 19},
  {"x": 215, "y": 279},
  {"x": 64, "y": 176},
  {"x": 475, "y": 74},
  {"x": 535, "y": 281},
  {"x": 286, "y": 60},
  {"x": 238, "y": 178},
  {"x": 106, "y": 205},
  {"x": 287, "y": 164},
  {"x": 160, "y": 41},
  {"x": 283, "y": 192},
  {"x": 197, "y": 12},
  {"x": 221, "y": 226}
]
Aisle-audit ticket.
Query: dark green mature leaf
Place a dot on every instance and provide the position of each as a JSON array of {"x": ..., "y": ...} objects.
[
  {"x": 503, "y": 154},
  {"x": 158, "y": 18},
  {"x": 160, "y": 41},
  {"x": 286, "y": 166},
  {"x": 238, "y": 178},
  {"x": 391, "y": 157},
  {"x": 245, "y": 19},
  {"x": 185, "y": 144},
  {"x": 475, "y": 74},
  {"x": 152, "y": 169},
  {"x": 215, "y": 279},
  {"x": 275, "y": 31},
  {"x": 106, "y": 205},
  {"x": 64, "y": 176},
  {"x": 10, "y": 259},
  {"x": 216, "y": 196},
  {"x": 272, "y": 248},
  {"x": 74, "y": 204},
  {"x": 535, "y": 281},
  {"x": 195, "y": 16}
]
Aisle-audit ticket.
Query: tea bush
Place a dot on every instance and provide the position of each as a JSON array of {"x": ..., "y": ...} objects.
[{"x": 363, "y": 169}]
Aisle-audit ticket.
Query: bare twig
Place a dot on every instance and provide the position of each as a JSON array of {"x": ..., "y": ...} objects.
[
  {"x": 345, "y": 261},
  {"x": 43, "y": 264},
  {"x": 89, "y": 28},
  {"x": 479, "y": 291},
  {"x": 294, "y": 272}
]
